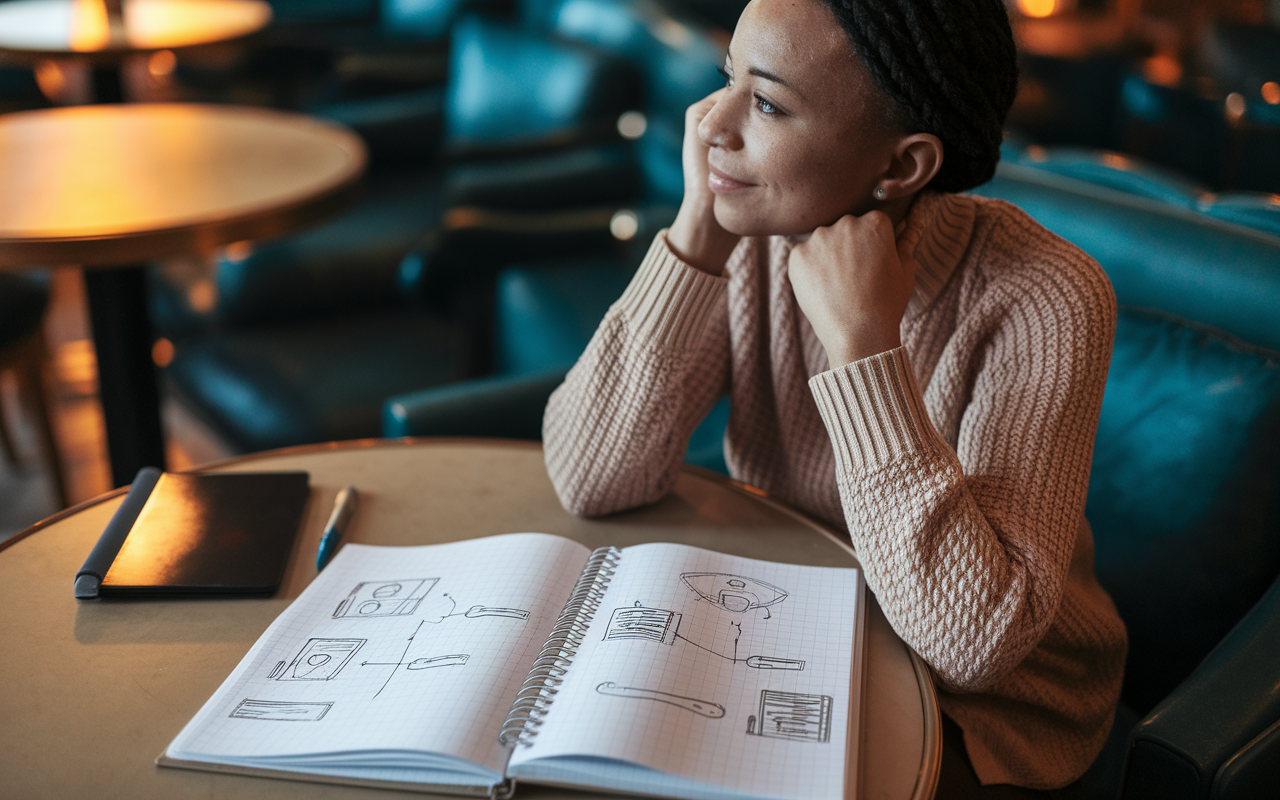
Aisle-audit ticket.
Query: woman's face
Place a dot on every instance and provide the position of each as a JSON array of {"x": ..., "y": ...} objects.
[{"x": 802, "y": 135}]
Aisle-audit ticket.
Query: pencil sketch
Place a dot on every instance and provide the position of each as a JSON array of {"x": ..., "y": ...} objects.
[
  {"x": 279, "y": 667},
  {"x": 476, "y": 612},
  {"x": 792, "y": 715},
  {"x": 320, "y": 660},
  {"x": 706, "y": 709},
  {"x": 446, "y": 606},
  {"x": 645, "y": 624},
  {"x": 385, "y": 598},
  {"x": 280, "y": 711},
  {"x": 733, "y": 593},
  {"x": 438, "y": 661},
  {"x": 661, "y": 626}
]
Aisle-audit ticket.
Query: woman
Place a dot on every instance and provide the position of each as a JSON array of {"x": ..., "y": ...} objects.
[{"x": 922, "y": 368}]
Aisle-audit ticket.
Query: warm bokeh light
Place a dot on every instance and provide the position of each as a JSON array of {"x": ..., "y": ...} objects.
[
  {"x": 1037, "y": 9},
  {"x": 632, "y": 125},
  {"x": 75, "y": 364},
  {"x": 1271, "y": 92},
  {"x": 1037, "y": 153},
  {"x": 202, "y": 296},
  {"x": 51, "y": 79},
  {"x": 237, "y": 251},
  {"x": 1115, "y": 161},
  {"x": 162, "y": 352},
  {"x": 90, "y": 29},
  {"x": 1234, "y": 107},
  {"x": 624, "y": 225},
  {"x": 162, "y": 63},
  {"x": 1163, "y": 69}
]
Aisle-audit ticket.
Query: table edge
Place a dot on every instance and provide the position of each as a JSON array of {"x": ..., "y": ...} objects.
[
  {"x": 931, "y": 758},
  {"x": 265, "y": 222}
]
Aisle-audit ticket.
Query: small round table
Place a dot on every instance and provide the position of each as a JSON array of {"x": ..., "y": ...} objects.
[
  {"x": 110, "y": 187},
  {"x": 91, "y": 692}
]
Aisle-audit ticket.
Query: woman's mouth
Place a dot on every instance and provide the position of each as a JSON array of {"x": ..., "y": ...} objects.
[{"x": 721, "y": 183}]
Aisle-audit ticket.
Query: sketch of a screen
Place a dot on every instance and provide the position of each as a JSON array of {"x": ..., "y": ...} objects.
[{"x": 792, "y": 715}]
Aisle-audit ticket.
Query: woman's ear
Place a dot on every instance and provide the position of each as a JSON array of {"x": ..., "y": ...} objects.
[{"x": 916, "y": 159}]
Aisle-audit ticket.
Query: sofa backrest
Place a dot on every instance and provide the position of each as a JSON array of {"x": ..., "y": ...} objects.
[{"x": 1184, "y": 495}]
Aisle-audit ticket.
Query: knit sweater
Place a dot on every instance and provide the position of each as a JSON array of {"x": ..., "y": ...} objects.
[{"x": 958, "y": 462}]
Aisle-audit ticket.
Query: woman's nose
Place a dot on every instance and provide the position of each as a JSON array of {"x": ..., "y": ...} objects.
[{"x": 717, "y": 128}]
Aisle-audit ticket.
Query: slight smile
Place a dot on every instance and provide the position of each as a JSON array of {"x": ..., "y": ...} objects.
[{"x": 721, "y": 183}]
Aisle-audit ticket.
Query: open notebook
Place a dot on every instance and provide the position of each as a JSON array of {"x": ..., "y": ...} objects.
[{"x": 656, "y": 669}]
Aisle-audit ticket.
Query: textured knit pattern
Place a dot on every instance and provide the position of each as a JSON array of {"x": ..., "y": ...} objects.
[{"x": 958, "y": 462}]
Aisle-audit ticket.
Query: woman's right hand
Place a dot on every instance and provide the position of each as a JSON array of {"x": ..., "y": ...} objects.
[{"x": 695, "y": 237}]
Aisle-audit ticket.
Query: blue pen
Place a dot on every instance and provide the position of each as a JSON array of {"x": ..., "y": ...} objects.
[{"x": 344, "y": 507}]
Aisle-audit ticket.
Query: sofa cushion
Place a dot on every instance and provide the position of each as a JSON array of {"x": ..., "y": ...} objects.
[
  {"x": 1184, "y": 497},
  {"x": 313, "y": 382}
]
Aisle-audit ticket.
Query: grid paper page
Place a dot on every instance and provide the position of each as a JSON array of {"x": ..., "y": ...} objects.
[
  {"x": 723, "y": 670},
  {"x": 393, "y": 649}
]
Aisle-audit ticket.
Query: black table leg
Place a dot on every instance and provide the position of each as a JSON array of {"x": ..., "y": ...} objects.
[{"x": 126, "y": 375}]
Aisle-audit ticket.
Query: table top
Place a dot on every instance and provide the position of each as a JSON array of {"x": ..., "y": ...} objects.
[
  {"x": 117, "y": 184},
  {"x": 35, "y": 29},
  {"x": 106, "y": 685}
]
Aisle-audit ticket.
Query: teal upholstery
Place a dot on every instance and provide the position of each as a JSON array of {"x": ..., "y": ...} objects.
[
  {"x": 1188, "y": 449},
  {"x": 510, "y": 89},
  {"x": 313, "y": 381},
  {"x": 1157, "y": 256},
  {"x": 1120, "y": 172},
  {"x": 564, "y": 178},
  {"x": 1174, "y": 128},
  {"x": 1252, "y": 209},
  {"x": 502, "y": 406}
]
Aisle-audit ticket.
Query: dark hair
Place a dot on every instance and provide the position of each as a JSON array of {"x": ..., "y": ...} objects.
[{"x": 951, "y": 68}]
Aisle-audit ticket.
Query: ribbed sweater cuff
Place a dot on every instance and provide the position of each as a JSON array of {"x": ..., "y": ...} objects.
[
  {"x": 668, "y": 301},
  {"x": 873, "y": 411}
]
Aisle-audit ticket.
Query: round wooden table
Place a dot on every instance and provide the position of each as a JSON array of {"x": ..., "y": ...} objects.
[
  {"x": 116, "y": 185},
  {"x": 92, "y": 691}
]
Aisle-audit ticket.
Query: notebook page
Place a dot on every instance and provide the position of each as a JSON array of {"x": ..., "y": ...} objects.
[
  {"x": 394, "y": 648},
  {"x": 723, "y": 670}
]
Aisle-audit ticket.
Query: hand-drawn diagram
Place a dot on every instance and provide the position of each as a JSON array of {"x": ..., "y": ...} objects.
[
  {"x": 280, "y": 711},
  {"x": 475, "y": 612},
  {"x": 733, "y": 593},
  {"x": 661, "y": 626},
  {"x": 385, "y": 598},
  {"x": 319, "y": 660},
  {"x": 437, "y": 661},
  {"x": 792, "y": 715},
  {"x": 646, "y": 624},
  {"x": 712, "y": 710}
]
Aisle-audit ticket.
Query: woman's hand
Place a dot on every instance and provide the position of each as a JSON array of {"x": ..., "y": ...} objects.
[
  {"x": 695, "y": 237},
  {"x": 853, "y": 285}
]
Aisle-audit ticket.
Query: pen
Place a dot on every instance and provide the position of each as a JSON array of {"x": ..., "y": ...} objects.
[{"x": 344, "y": 508}]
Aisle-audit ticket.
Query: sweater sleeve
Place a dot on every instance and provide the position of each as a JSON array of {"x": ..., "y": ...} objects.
[
  {"x": 967, "y": 549},
  {"x": 615, "y": 433}
]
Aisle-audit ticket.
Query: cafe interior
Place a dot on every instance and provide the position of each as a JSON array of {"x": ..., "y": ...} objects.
[{"x": 495, "y": 171}]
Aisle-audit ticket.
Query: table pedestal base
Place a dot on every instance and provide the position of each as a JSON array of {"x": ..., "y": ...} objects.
[{"x": 126, "y": 375}]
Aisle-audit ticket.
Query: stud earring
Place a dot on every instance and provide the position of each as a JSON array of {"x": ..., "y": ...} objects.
[{"x": 880, "y": 193}]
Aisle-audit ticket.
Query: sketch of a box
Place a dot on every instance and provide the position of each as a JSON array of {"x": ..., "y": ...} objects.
[
  {"x": 792, "y": 715},
  {"x": 321, "y": 659},
  {"x": 646, "y": 624},
  {"x": 281, "y": 711},
  {"x": 385, "y": 598}
]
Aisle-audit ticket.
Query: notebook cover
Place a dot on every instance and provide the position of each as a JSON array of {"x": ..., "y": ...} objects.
[{"x": 211, "y": 533}]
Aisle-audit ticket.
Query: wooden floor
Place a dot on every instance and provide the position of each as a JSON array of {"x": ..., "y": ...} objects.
[{"x": 26, "y": 495}]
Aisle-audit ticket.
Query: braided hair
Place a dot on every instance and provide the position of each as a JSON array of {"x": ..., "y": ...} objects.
[{"x": 951, "y": 68}]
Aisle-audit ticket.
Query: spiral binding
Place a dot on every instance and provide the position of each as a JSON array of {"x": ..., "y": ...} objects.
[{"x": 539, "y": 689}]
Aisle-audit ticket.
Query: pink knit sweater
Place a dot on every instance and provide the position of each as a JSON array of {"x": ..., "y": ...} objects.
[{"x": 958, "y": 462}]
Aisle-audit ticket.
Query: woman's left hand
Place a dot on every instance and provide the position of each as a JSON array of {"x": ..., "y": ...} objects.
[{"x": 853, "y": 284}]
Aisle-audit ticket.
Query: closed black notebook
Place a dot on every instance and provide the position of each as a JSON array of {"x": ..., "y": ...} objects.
[{"x": 198, "y": 533}]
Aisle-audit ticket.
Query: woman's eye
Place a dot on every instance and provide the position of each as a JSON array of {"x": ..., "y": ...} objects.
[
  {"x": 724, "y": 73},
  {"x": 766, "y": 107}
]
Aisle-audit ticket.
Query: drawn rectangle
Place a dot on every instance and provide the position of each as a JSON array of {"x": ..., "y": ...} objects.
[
  {"x": 321, "y": 659},
  {"x": 281, "y": 711},
  {"x": 795, "y": 716},
  {"x": 646, "y": 624},
  {"x": 385, "y": 598}
]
